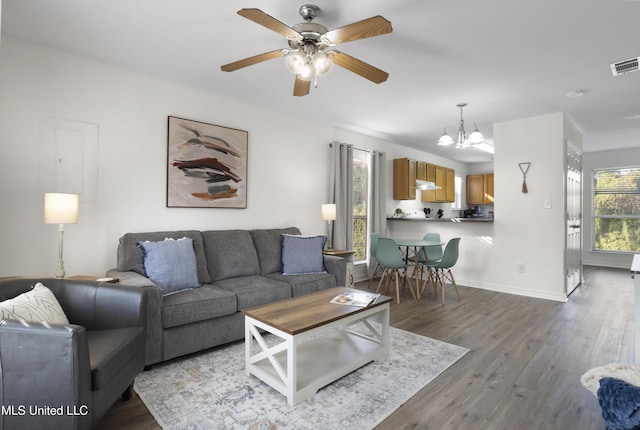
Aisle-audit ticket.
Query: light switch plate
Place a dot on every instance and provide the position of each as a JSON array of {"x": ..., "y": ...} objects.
[{"x": 547, "y": 203}]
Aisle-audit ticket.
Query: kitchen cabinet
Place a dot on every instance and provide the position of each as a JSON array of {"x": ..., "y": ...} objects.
[
  {"x": 421, "y": 170},
  {"x": 488, "y": 188},
  {"x": 480, "y": 189},
  {"x": 443, "y": 177},
  {"x": 441, "y": 181},
  {"x": 450, "y": 183},
  {"x": 431, "y": 172},
  {"x": 405, "y": 173},
  {"x": 404, "y": 179}
]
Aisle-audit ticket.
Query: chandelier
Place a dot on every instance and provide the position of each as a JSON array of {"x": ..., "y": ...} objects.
[{"x": 475, "y": 138}]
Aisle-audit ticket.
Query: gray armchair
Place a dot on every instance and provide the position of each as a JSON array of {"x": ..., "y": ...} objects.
[{"x": 67, "y": 376}]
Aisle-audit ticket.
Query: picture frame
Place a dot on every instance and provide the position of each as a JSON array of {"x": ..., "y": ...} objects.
[{"x": 206, "y": 165}]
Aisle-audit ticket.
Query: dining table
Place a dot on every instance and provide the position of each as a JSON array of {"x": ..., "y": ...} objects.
[{"x": 411, "y": 248}]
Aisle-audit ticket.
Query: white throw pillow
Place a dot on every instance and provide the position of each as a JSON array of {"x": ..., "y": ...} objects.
[
  {"x": 627, "y": 372},
  {"x": 37, "y": 305}
]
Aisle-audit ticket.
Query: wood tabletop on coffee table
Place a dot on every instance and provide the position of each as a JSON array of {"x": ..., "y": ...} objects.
[{"x": 306, "y": 312}]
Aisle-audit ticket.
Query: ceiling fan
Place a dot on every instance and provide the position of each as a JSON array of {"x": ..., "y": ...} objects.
[{"x": 311, "y": 51}]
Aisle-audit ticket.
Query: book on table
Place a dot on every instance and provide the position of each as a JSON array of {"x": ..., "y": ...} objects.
[{"x": 361, "y": 299}]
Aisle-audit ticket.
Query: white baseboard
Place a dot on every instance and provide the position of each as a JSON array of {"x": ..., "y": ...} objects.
[
  {"x": 514, "y": 290},
  {"x": 360, "y": 275}
]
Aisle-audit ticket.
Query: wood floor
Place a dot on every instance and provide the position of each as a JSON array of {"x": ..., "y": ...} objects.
[{"x": 525, "y": 363}]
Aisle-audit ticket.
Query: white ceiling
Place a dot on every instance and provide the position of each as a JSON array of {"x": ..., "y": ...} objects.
[{"x": 507, "y": 59}]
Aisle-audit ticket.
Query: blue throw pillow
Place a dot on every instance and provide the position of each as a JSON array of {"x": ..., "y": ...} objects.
[
  {"x": 302, "y": 254},
  {"x": 170, "y": 264},
  {"x": 620, "y": 404}
]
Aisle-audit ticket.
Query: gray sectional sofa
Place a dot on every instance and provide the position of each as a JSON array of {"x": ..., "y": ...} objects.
[{"x": 236, "y": 269}]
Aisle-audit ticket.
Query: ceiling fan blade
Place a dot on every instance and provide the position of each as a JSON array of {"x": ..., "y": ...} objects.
[
  {"x": 301, "y": 88},
  {"x": 250, "y": 61},
  {"x": 259, "y": 17},
  {"x": 370, "y": 27},
  {"x": 359, "y": 67}
]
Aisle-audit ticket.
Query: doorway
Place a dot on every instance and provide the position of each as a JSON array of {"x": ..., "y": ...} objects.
[{"x": 573, "y": 203}]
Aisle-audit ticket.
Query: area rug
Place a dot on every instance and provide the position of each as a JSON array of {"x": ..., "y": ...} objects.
[{"x": 211, "y": 391}]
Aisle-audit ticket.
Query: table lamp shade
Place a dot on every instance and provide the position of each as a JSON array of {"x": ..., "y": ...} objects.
[
  {"x": 60, "y": 208},
  {"x": 329, "y": 212}
]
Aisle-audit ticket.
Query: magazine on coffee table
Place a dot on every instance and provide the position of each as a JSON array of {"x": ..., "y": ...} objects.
[{"x": 361, "y": 299}]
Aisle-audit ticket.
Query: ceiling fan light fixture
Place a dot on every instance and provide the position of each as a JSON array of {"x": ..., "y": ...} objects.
[
  {"x": 296, "y": 61},
  {"x": 322, "y": 63},
  {"x": 308, "y": 72}
]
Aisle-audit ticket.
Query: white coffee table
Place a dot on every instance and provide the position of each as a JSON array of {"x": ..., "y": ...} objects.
[{"x": 317, "y": 343}]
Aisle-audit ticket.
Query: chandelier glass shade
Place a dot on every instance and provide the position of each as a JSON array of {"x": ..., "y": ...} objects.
[{"x": 475, "y": 138}]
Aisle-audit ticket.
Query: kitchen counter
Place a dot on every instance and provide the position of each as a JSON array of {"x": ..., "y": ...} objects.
[{"x": 465, "y": 220}]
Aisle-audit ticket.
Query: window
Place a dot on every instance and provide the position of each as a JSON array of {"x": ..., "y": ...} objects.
[
  {"x": 361, "y": 160},
  {"x": 616, "y": 209},
  {"x": 457, "y": 203}
]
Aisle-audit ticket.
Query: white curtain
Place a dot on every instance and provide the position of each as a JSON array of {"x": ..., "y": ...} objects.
[
  {"x": 377, "y": 211},
  {"x": 378, "y": 193},
  {"x": 341, "y": 193}
]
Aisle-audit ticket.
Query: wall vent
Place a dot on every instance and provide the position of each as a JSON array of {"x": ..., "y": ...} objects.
[{"x": 626, "y": 66}]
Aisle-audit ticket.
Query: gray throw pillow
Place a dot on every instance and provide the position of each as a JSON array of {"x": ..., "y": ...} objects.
[
  {"x": 302, "y": 254},
  {"x": 170, "y": 264}
]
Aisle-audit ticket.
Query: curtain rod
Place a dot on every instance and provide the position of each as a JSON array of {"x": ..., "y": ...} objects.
[{"x": 374, "y": 151}]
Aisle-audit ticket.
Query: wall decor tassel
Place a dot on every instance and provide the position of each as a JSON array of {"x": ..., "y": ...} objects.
[{"x": 524, "y": 168}]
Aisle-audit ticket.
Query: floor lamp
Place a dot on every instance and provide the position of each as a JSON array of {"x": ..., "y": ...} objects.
[
  {"x": 60, "y": 209},
  {"x": 329, "y": 214}
]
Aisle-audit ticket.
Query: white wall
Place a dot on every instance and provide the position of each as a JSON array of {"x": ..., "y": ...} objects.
[
  {"x": 525, "y": 231},
  {"x": 590, "y": 162},
  {"x": 287, "y": 160},
  {"x": 287, "y": 179}
]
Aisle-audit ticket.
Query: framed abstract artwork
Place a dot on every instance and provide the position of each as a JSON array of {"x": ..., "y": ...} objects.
[{"x": 206, "y": 165}]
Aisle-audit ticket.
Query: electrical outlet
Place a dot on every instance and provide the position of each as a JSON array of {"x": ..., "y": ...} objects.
[{"x": 521, "y": 268}]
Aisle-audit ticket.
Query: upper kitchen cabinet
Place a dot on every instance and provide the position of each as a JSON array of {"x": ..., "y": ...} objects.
[
  {"x": 450, "y": 182},
  {"x": 404, "y": 179},
  {"x": 425, "y": 171},
  {"x": 444, "y": 178},
  {"x": 406, "y": 172},
  {"x": 480, "y": 189}
]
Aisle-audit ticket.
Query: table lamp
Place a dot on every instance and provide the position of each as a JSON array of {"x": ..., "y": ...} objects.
[
  {"x": 329, "y": 214},
  {"x": 60, "y": 209}
]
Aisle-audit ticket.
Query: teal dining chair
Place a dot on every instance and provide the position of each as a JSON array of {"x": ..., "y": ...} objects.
[
  {"x": 392, "y": 263},
  {"x": 442, "y": 268},
  {"x": 434, "y": 253},
  {"x": 427, "y": 254},
  {"x": 373, "y": 249}
]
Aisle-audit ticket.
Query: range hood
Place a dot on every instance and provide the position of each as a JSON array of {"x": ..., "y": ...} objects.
[{"x": 426, "y": 185}]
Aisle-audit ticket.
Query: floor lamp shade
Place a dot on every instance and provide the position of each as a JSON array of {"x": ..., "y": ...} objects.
[
  {"x": 329, "y": 212},
  {"x": 328, "y": 215},
  {"x": 60, "y": 209}
]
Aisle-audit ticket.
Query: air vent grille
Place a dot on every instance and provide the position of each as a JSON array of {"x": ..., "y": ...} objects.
[{"x": 626, "y": 66}]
